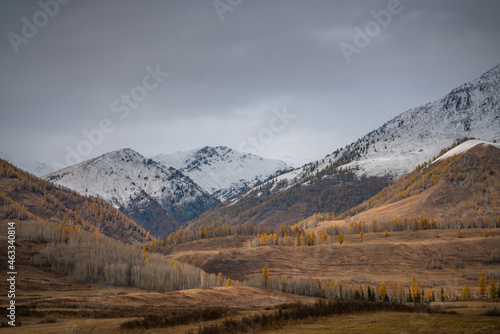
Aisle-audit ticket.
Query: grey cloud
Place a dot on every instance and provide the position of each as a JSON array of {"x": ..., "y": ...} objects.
[{"x": 225, "y": 77}]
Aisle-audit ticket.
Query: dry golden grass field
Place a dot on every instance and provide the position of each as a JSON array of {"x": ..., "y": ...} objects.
[
  {"x": 376, "y": 260},
  {"x": 51, "y": 303}
]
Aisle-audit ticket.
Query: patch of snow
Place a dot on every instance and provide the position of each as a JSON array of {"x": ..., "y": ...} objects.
[
  {"x": 464, "y": 147},
  {"x": 222, "y": 171},
  {"x": 417, "y": 135},
  {"x": 123, "y": 175}
]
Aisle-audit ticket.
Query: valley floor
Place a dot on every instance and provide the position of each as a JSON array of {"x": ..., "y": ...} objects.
[
  {"x": 439, "y": 258},
  {"x": 105, "y": 310},
  {"x": 466, "y": 321},
  {"x": 51, "y": 303}
]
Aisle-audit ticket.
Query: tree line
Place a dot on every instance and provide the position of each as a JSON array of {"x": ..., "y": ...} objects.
[
  {"x": 93, "y": 258},
  {"x": 393, "y": 292},
  {"x": 61, "y": 205}
]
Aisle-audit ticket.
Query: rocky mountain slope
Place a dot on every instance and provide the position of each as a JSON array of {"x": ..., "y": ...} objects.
[
  {"x": 395, "y": 148},
  {"x": 417, "y": 135},
  {"x": 459, "y": 189},
  {"x": 221, "y": 171},
  {"x": 159, "y": 198},
  {"x": 27, "y": 197}
]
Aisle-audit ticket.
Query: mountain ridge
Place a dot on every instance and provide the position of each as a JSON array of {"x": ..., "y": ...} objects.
[
  {"x": 24, "y": 196},
  {"x": 386, "y": 153},
  {"x": 222, "y": 171},
  {"x": 124, "y": 177},
  {"x": 458, "y": 189}
]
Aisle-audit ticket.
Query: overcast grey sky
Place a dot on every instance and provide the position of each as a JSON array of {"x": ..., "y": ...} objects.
[{"x": 227, "y": 78}]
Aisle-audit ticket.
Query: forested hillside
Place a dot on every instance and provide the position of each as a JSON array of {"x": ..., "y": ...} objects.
[
  {"x": 333, "y": 190},
  {"x": 24, "y": 196},
  {"x": 461, "y": 189}
]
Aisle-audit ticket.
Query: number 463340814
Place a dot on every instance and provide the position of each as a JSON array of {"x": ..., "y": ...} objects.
[{"x": 11, "y": 251}]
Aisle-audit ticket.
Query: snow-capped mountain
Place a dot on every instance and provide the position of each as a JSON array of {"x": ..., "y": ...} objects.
[
  {"x": 222, "y": 171},
  {"x": 352, "y": 174},
  {"x": 417, "y": 135},
  {"x": 34, "y": 167},
  {"x": 138, "y": 186}
]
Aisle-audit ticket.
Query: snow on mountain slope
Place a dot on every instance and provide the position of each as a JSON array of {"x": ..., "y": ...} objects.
[
  {"x": 34, "y": 167},
  {"x": 120, "y": 175},
  {"x": 464, "y": 147},
  {"x": 222, "y": 171},
  {"x": 133, "y": 183},
  {"x": 471, "y": 110},
  {"x": 414, "y": 137}
]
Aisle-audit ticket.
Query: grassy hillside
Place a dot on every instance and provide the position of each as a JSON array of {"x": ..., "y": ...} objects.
[
  {"x": 24, "y": 196},
  {"x": 438, "y": 259},
  {"x": 332, "y": 190},
  {"x": 459, "y": 192}
]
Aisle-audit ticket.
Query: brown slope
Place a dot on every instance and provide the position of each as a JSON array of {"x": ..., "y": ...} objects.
[
  {"x": 270, "y": 205},
  {"x": 376, "y": 260},
  {"x": 24, "y": 196},
  {"x": 464, "y": 188}
]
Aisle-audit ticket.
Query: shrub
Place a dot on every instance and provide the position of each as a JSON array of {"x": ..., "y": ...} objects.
[{"x": 492, "y": 313}]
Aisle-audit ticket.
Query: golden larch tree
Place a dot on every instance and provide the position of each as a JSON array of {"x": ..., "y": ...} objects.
[
  {"x": 482, "y": 283},
  {"x": 465, "y": 292},
  {"x": 383, "y": 292},
  {"x": 340, "y": 238},
  {"x": 493, "y": 292},
  {"x": 414, "y": 290},
  {"x": 220, "y": 280},
  {"x": 265, "y": 275}
]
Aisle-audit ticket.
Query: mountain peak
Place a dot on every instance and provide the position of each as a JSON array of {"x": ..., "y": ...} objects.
[
  {"x": 493, "y": 73},
  {"x": 368, "y": 164},
  {"x": 221, "y": 170},
  {"x": 125, "y": 152},
  {"x": 150, "y": 193}
]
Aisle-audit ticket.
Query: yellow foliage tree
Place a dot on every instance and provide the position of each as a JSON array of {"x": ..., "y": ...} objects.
[
  {"x": 265, "y": 275},
  {"x": 465, "y": 292},
  {"x": 340, "y": 238},
  {"x": 386, "y": 234},
  {"x": 263, "y": 239},
  {"x": 361, "y": 234},
  {"x": 229, "y": 282},
  {"x": 482, "y": 283},
  {"x": 383, "y": 292},
  {"x": 220, "y": 280},
  {"x": 415, "y": 291}
]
